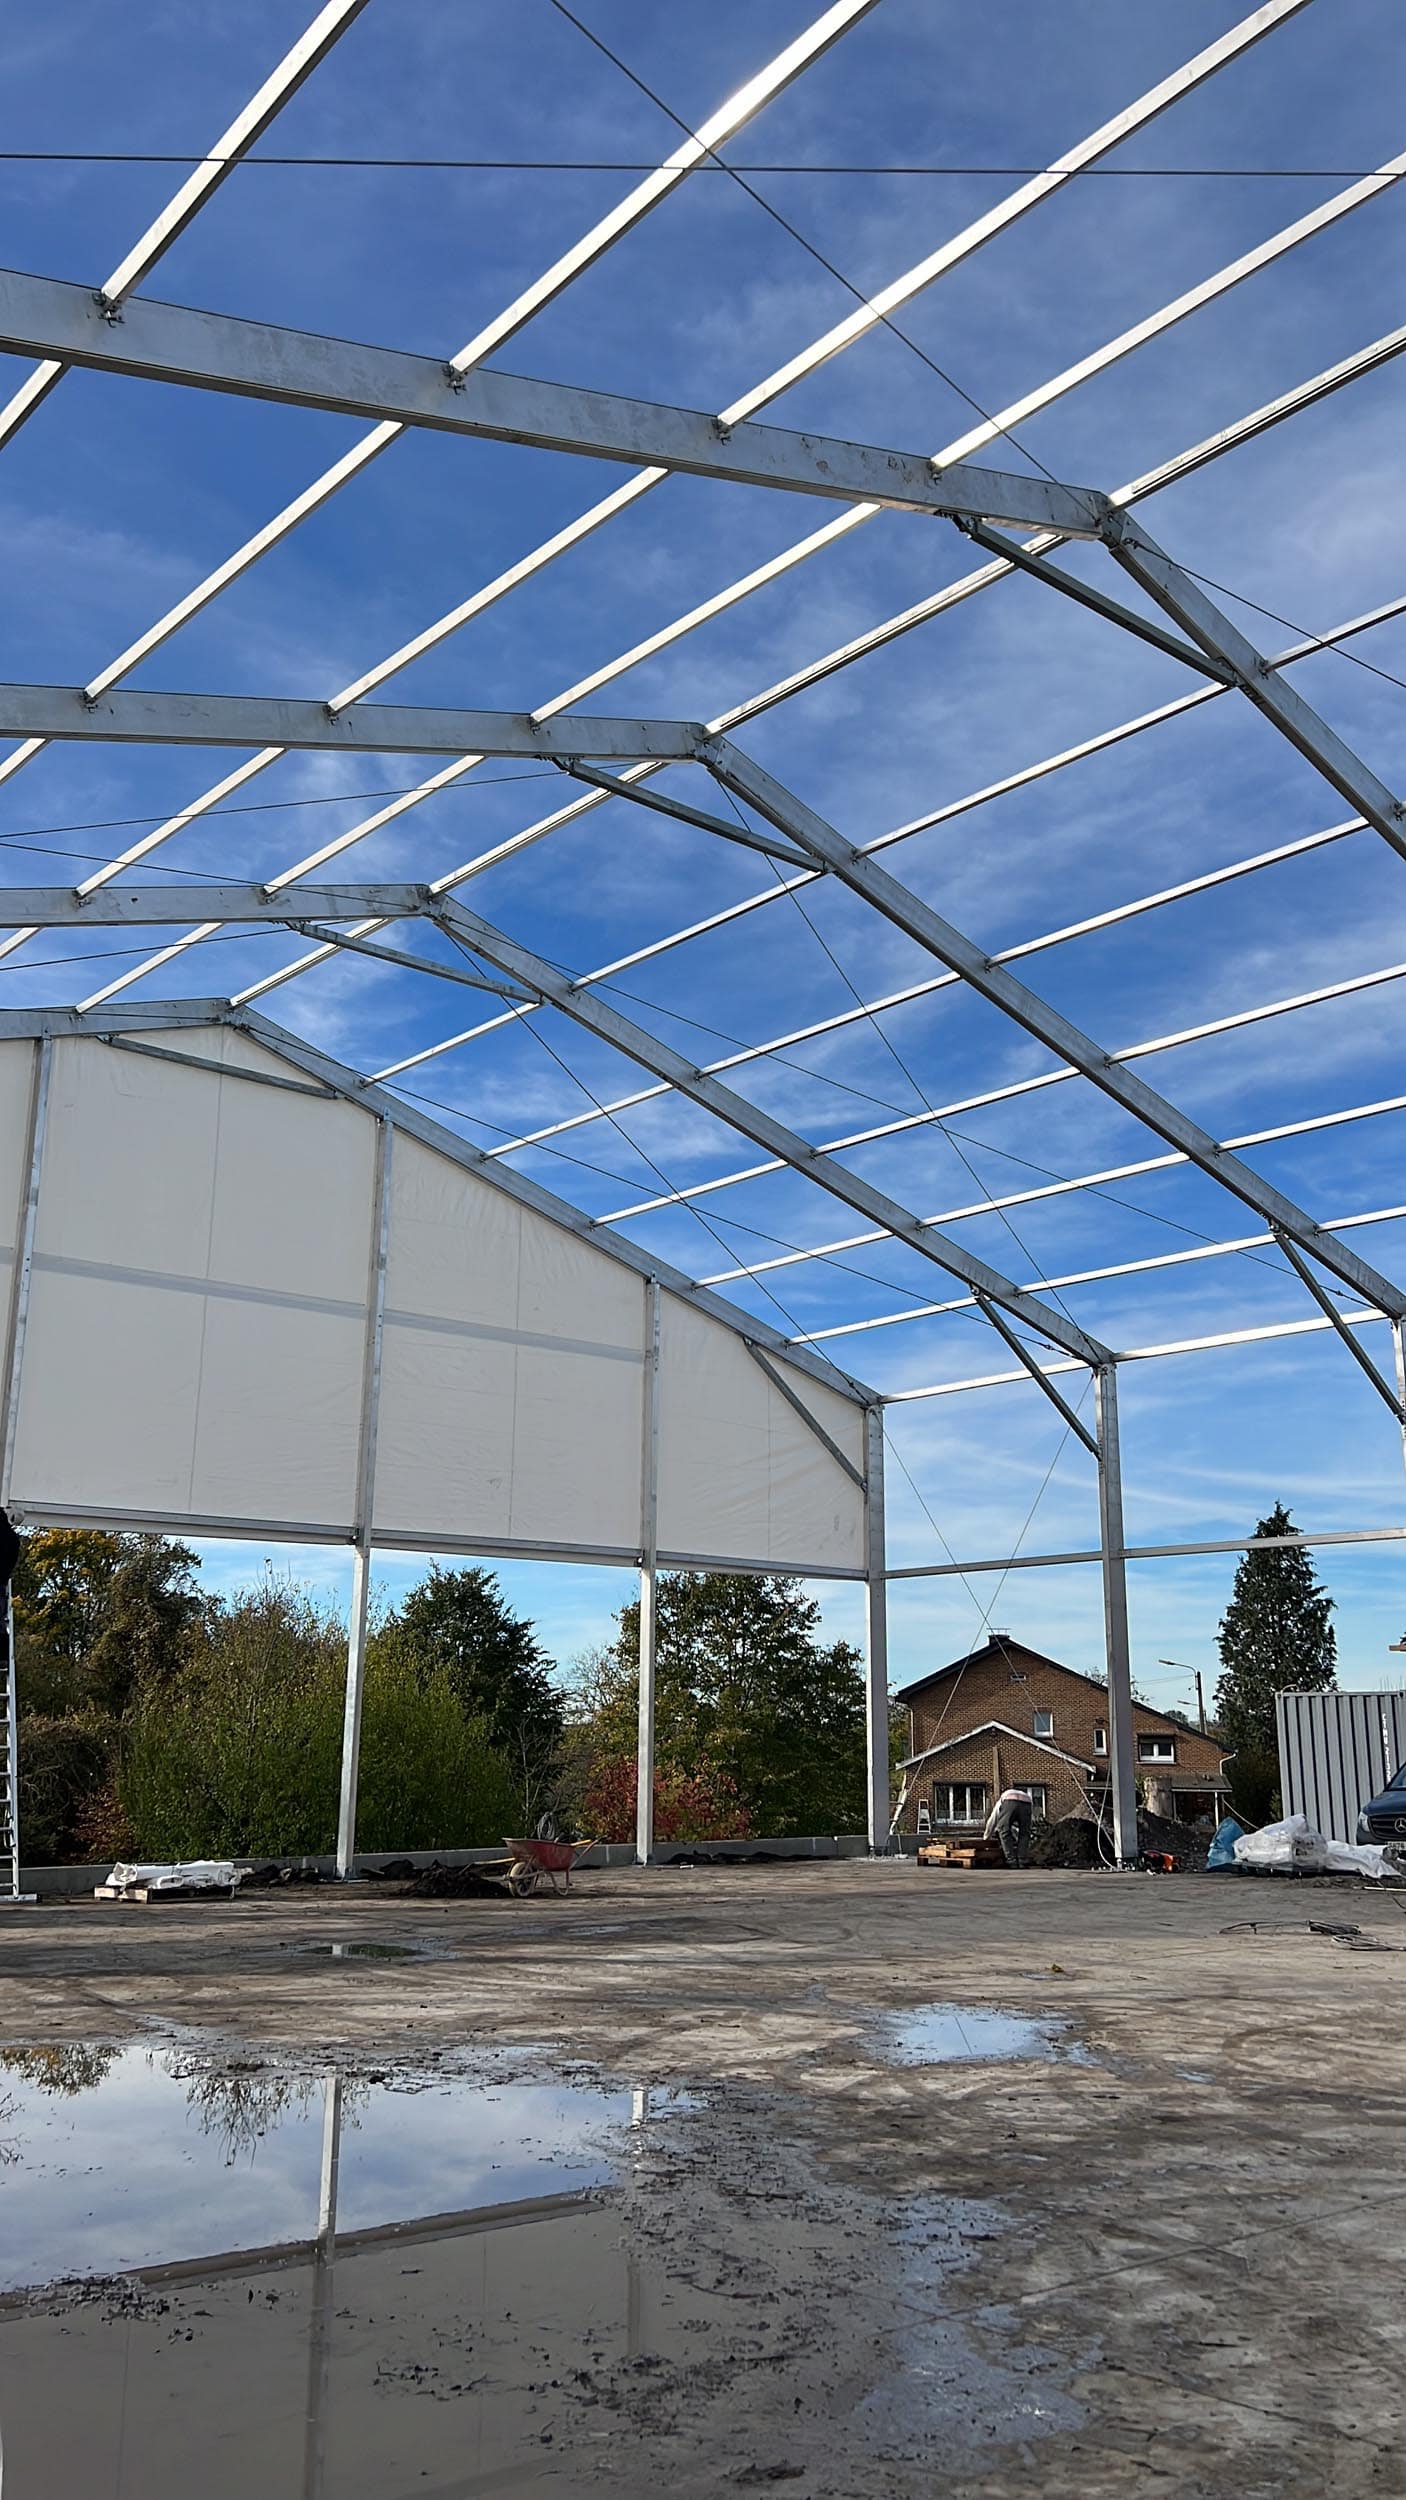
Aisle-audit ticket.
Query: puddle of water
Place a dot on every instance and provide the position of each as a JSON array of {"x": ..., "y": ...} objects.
[
  {"x": 373, "y": 1952},
  {"x": 939, "y": 2035},
  {"x": 116, "y": 2160},
  {"x": 351, "y": 2290}
]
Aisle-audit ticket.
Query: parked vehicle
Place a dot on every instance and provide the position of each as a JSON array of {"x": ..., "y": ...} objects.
[{"x": 1383, "y": 1818}]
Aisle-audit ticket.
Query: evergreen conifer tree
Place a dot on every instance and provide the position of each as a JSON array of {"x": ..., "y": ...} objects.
[{"x": 1275, "y": 1637}]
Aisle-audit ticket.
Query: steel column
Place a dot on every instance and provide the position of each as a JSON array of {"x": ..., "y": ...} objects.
[
  {"x": 1398, "y": 1345},
  {"x": 1122, "y": 1777},
  {"x": 17, "y": 1326},
  {"x": 24, "y": 1259},
  {"x": 876, "y": 1646},
  {"x": 649, "y": 1574},
  {"x": 365, "y": 1501},
  {"x": 324, "y": 2254}
]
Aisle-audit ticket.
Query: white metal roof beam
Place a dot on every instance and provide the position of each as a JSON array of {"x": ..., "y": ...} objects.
[
  {"x": 169, "y": 343},
  {"x": 896, "y": 903},
  {"x": 554, "y": 988},
  {"x": 283, "y": 81},
  {"x": 1264, "y": 1335},
  {"x": 1037, "y": 1192},
  {"x": 1067, "y": 1283},
  {"x": 1136, "y": 116},
  {"x": 724, "y": 124},
  {"x": 1212, "y": 447}
]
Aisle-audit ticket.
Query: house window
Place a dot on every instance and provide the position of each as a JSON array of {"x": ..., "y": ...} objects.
[
  {"x": 1156, "y": 1749},
  {"x": 1044, "y": 1724},
  {"x": 959, "y": 1801},
  {"x": 1039, "y": 1798},
  {"x": 1100, "y": 1740}
]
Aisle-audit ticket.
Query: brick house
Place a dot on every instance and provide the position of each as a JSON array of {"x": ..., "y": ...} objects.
[{"x": 1007, "y": 1716}]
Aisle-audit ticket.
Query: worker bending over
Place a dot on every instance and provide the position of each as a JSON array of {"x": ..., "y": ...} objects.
[{"x": 1010, "y": 1819}]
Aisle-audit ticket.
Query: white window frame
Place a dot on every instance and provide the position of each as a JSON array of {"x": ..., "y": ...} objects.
[
  {"x": 1042, "y": 1725},
  {"x": 1039, "y": 1797},
  {"x": 1154, "y": 1747},
  {"x": 1100, "y": 1740},
  {"x": 945, "y": 1794}
]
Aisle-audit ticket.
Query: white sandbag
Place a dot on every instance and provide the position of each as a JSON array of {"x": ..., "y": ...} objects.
[{"x": 1292, "y": 1844}]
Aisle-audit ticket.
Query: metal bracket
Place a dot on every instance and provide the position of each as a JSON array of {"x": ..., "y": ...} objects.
[
  {"x": 784, "y": 1389},
  {"x": 1335, "y": 1318},
  {"x": 770, "y": 845},
  {"x": 1023, "y": 1355}
]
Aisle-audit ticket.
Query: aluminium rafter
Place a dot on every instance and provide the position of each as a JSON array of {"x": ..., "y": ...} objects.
[
  {"x": 132, "y": 716},
  {"x": 1181, "y": 596},
  {"x": 300, "y": 368},
  {"x": 608, "y": 1024},
  {"x": 948, "y": 256},
  {"x": 898, "y": 904},
  {"x": 1212, "y": 447},
  {"x": 618, "y": 221}
]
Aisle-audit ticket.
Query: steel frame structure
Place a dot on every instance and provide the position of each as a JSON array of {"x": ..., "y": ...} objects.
[{"x": 111, "y": 330}]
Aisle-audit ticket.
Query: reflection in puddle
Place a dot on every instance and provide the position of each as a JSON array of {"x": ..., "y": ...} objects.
[
  {"x": 938, "y": 2035},
  {"x": 372, "y": 1952},
  {"x": 120, "y": 2160}
]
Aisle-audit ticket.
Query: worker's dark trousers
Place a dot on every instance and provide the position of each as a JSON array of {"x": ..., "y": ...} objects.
[{"x": 1013, "y": 1833}]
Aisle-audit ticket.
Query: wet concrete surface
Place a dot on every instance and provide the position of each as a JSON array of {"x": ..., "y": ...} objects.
[{"x": 434, "y": 2225}]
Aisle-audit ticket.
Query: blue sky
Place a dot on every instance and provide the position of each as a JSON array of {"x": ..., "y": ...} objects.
[{"x": 117, "y": 497}]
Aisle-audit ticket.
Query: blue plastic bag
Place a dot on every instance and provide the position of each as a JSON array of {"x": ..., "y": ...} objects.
[{"x": 1222, "y": 1850}]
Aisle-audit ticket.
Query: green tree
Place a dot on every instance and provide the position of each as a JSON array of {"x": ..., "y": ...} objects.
[
  {"x": 458, "y": 1626},
  {"x": 1275, "y": 1637},
  {"x": 746, "y": 1692},
  {"x": 241, "y": 1757},
  {"x": 96, "y": 1615}
]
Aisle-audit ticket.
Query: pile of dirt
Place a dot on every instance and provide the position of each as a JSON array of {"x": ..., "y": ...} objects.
[
  {"x": 1189, "y": 1848},
  {"x": 456, "y": 1883},
  {"x": 1071, "y": 1842}
]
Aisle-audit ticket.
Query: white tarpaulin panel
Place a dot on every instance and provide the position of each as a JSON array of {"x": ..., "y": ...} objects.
[
  {"x": 197, "y": 1317},
  {"x": 740, "y": 1473},
  {"x": 197, "y": 1336},
  {"x": 511, "y": 1370}
]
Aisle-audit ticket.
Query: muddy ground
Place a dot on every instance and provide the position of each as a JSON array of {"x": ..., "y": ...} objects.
[{"x": 1162, "y": 2262}]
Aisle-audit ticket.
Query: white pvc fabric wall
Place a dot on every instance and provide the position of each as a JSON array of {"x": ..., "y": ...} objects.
[{"x": 196, "y": 1345}]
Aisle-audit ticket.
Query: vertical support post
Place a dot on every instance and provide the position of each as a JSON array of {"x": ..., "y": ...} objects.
[
  {"x": 365, "y": 1502},
  {"x": 876, "y": 1637},
  {"x": 1398, "y": 1347},
  {"x": 649, "y": 1574},
  {"x": 1121, "y": 1771},
  {"x": 17, "y": 1323}
]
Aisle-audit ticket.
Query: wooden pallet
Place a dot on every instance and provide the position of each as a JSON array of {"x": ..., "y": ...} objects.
[{"x": 974, "y": 1853}]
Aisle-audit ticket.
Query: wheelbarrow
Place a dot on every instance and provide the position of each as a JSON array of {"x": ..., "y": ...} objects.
[{"x": 532, "y": 1859}]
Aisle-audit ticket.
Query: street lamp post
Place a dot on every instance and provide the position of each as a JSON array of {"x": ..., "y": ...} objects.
[{"x": 1195, "y": 1673}]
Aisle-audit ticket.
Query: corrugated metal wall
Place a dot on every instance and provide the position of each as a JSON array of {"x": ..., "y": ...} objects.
[{"x": 1335, "y": 1751}]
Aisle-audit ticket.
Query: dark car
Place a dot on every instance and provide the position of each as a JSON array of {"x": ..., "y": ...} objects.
[{"x": 1383, "y": 1818}]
